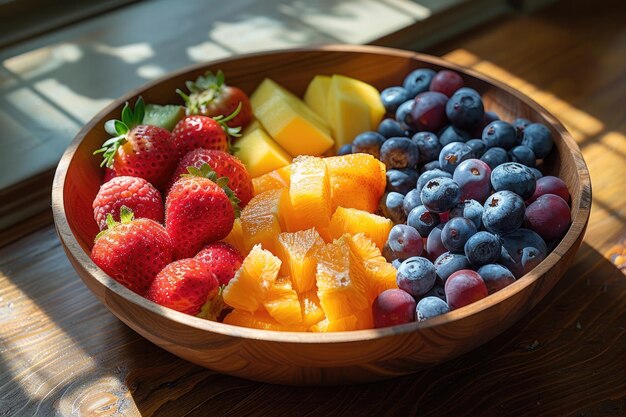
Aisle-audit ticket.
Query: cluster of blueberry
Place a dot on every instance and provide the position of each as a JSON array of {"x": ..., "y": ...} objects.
[{"x": 472, "y": 215}]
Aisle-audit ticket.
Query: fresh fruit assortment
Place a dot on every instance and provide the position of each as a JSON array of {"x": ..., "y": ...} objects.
[{"x": 232, "y": 208}]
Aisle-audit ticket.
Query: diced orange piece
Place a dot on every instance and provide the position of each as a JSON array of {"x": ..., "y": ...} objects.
[
  {"x": 309, "y": 191},
  {"x": 341, "y": 279},
  {"x": 353, "y": 221},
  {"x": 356, "y": 181},
  {"x": 259, "y": 320},
  {"x": 381, "y": 275},
  {"x": 260, "y": 221},
  {"x": 235, "y": 238},
  {"x": 312, "y": 312},
  {"x": 282, "y": 303},
  {"x": 297, "y": 251},
  {"x": 249, "y": 288},
  {"x": 273, "y": 180},
  {"x": 364, "y": 319},
  {"x": 339, "y": 325}
]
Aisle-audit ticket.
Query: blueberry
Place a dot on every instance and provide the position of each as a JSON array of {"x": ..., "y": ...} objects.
[
  {"x": 465, "y": 109},
  {"x": 345, "y": 149},
  {"x": 499, "y": 134},
  {"x": 429, "y": 175},
  {"x": 496, "y": 277},
  {"x": 412, "y": 199},
  {"x": 474, "y": 179},
  {"x": 513, "y": 176},
  {"x": 522, "y": 250},
  {"x": 368, "y": 142},
  {"x": 538, "y": 138},
  {"x": 403, "y": 115},
  {"x": 418, "y": 81},
  {"x": 453, "y": 154},
  {"x": 494, "y": 157},
  {"x": 523, "y": 154},
  {"x": 478, "y": 146},
  {"x": 429, "y": 307},
  {"x": 437, "y": 290},
  {"x": 429, "y": 166},
  {"x": 448, "y": 263},
  {"x": 470, "y": 209},
  {"x": 429, "y": 112},
  {"x": 403, "y": 242},
  {"x": 392, "y": 97},
  {"x": 416, "y": 276},
  {"x": 452, "y": 134},
  {"x": 399, "y": 153},
  {"x": 483, "y": 248},
  {"x": 520, "y": 124},
  {"x": 503, "y": 212},
  {"x": 456, "y": 232},
  {"x": 428, "y": 146},
  {"x": 391, "y": 207},
  {"x": 423, "y": 220},
  {"x": 440, "y": 194},
  {"x": 434, "y": 246},
  {"x": 390, "y": 128},
  {"x": 536, "y": 173},
  {"x": 401, "y": 180}
]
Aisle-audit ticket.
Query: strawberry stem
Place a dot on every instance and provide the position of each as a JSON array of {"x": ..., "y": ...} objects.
[{"x": 126, "y": 216}]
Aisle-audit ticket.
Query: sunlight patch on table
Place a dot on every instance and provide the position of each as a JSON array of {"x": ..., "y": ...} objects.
[
  {"x": 81, "y": 107},
  {"x": 206, "y": 51},
  {"x": 39, "y": 111},
  {"x": 131, "y": 54},
  {"x": 43, "y": 60}
]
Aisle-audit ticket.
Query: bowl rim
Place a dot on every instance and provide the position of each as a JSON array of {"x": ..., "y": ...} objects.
[{"x": 69, "y": 241}]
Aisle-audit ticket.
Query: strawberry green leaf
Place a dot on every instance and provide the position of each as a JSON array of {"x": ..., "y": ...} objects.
[
  {"x": 127, "y": 115},
  {"x": 140, "y": 111},
  {"x": 109, "y": 127},
  {"x": 126, "y": 215}
]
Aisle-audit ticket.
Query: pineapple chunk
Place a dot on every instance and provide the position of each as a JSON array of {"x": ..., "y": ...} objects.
[
  {"x": 316, "y": 95},
  {"x": 260, "y": 154},
  {"x": 297, "y": 128}
]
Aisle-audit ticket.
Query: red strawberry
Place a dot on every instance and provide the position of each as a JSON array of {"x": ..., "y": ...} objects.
[
  {"x": 133, "y": 192},
  {"x": 184, "y": 286},
  {"x": 224, "y": 165},
  {"x": 199, "y": 209},
  {"x": 222, "y": 259},
  {"x": 210, "y": 96},
  {"x": 132, "y": 252},
  {"x": 139, "y": 150},
  {"x": 206, "y": 132},
  {"x": 109, "y": 174}
]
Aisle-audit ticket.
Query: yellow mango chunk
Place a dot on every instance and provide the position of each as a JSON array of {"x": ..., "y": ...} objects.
[
  {"x": 316, "y": 95},
  {"x": 260, "y": 220},
  {"x": 353, "y": 107},
  {"x": 289, "y": 121},
  {"x": 260, "y": 153}
]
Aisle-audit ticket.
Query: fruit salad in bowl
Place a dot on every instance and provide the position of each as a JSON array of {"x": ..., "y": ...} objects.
[{"x": 401, "y": 204}]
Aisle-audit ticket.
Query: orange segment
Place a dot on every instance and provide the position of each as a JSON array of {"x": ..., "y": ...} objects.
[
  {"x": 260, "y": 220},
  {"x": 281, "y": 301},
  {"x": 381, "y": 275},
  {"x": 341, "y": 279},
  {"x": 312, "y": 312},
  {"x": 248, "y": 289},
  {"x": 356, "y": 181},
  {"x": 340, "y": 325},
  {"x": 273, "y": 180},
  {"x": 353, "y": 221},
  {"x": 235, "y": 238},
  {"x": 309, "y": 191},
  {"x": 297, "y": 251},
  {"x": 259, "y": 320}
]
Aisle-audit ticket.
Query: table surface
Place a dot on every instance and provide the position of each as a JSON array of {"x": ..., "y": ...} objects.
[{"x": 63, "y": 353}]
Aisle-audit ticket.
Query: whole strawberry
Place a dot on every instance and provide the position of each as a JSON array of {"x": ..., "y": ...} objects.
[
  {"x": 209, "y": 95},
  {"x": 139, "y": 150},
  {"x": 133, "y": 192},
  {"x": 224, "y": 165},
  {"x": 206, "y": 132},
  {"x": 109, "y": 174},
  {"x": 222, "y": 259},
  {"x": 132, "y": 251},
  {"x": 199, "y": 209},
  {"x": 184, "y": 286}
]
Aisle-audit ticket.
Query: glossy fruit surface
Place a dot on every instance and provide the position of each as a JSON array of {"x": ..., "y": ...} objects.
[
  {"x": 465, "y": 109},
  {"x": 453, "y": 154},
  {"x": 403, "y": 242},
  {"x": 503, "y": 212},
  {"x": 549, "y": 216},
  {"x": 464, "y": 287},
  {"x": 483, "y": 248},
  {"x": 416, "y": 276},
  {"x": 393, "y": 307},
  {"x": 515, "y": 177},
  {"x": 440, "y": 194},
  {"x": 429, "y": 307},
  {"x": 473, "y": 177},
  {"x": 429, "y": 111},
  {"x": 446, "y": 82}
]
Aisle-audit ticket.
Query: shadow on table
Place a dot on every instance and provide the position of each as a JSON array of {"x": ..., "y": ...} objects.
[{"x": 566, "y": 355}]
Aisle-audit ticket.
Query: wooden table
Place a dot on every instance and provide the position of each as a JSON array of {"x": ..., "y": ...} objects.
[{"x": 62, "y": 353}]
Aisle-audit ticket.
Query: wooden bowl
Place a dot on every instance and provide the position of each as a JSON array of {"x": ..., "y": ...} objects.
[{"x": 313, "y": 358}]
